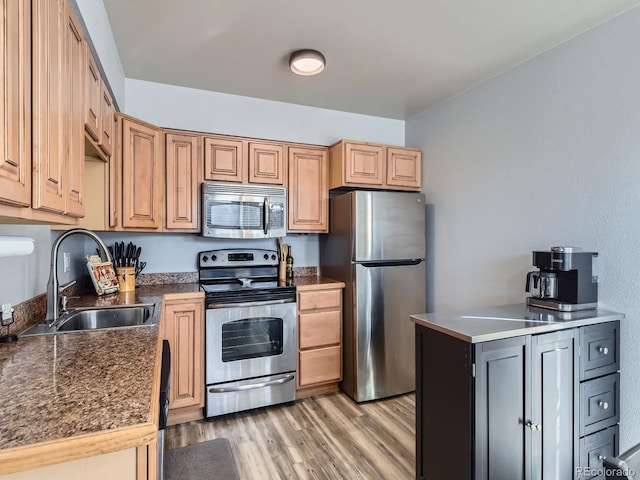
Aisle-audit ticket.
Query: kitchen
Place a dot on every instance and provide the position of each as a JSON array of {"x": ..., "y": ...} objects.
[{"x": 549, "y": 160}]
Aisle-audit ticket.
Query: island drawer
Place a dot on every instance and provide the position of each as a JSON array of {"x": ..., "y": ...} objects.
[
  {"x": 594, "y": 448},
  {"x": 599, "y": 403},
  {"x": 599, "y": 350}
]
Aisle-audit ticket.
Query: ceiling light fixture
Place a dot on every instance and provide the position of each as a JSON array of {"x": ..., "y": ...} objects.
[{"x": 306, "y": 62}]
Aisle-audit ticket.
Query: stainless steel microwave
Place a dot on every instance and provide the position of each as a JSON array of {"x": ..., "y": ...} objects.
[{"x": 231, "y": 210}]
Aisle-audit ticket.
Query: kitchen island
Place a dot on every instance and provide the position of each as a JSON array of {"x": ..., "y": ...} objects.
[
  {"x": 516, "y": 392},
  {"x": 70, "y": 399}
]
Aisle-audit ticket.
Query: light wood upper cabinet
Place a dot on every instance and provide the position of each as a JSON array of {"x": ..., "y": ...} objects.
[
  {"x": 183, "y": 326},
  {"x": 108, "y": 123},
  {"x": 142, "y": 175},
  {"x": 93, "y": 91},
  {"x": 183, "y": 155},
  {"x": 48, "y": 159},
  {"x": 404, "y": 167},
  {"x": 58, "y": 108},
  {"x": 267, "y": 163},
  {"x": 367, "y": 165},
  {"x": 15, "y": 110},
  {"x": 232, "y": 159},
  {"x": 73, "y": 135},
  {"x": 308, "y": 193},
  {"x": 224, "y": 159}
]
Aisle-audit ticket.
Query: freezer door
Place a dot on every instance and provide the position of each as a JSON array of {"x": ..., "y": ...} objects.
[
  {"x": 388, "y": 225},
  {"x": 385, "y": 297}
]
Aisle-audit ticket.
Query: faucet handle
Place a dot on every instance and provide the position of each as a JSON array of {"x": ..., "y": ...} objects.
[{"x": 66, "y": 285}]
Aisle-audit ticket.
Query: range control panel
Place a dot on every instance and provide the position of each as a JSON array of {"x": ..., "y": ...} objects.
[{"x": 240, "y": 257}]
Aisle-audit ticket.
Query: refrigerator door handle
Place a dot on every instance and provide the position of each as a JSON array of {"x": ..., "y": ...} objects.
[{"x": 391, "y": 263}]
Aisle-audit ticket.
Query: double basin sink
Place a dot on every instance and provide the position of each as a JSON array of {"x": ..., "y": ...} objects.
[{"x": 138, "y": 315}]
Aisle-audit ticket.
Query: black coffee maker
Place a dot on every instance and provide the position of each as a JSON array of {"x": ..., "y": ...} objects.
[{"x": 565, "y": 281}]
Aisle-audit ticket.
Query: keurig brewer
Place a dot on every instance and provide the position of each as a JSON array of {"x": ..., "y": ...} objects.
[{"x": 565, "y": 281}]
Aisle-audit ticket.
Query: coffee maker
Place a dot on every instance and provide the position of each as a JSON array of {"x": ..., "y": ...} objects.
[{"x": 565, "y": 281}]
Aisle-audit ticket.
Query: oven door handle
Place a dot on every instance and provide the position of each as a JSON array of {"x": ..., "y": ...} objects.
[
  {"x": 215, "y": 306},
  {"x": 251, "y": 386}
]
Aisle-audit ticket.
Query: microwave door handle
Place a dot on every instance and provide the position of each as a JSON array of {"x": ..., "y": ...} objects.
[{"x": 265, "y": 216}]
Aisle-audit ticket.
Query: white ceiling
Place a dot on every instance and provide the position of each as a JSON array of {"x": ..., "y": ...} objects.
[{"x": 385, "y": 58}]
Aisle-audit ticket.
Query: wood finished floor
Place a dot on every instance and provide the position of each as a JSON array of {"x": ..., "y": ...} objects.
[{"x": 324, "y": 437}]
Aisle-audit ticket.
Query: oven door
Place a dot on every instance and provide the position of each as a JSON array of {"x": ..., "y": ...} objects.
[{"x": 249, "y": 341}]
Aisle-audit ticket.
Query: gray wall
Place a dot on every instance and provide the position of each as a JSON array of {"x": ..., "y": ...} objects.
[{"x": 545, "y": 154}]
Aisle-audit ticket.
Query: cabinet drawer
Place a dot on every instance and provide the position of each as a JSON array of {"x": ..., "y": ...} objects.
[
  {"x": 321, "y": 365},
  {"x": 594, "y": 447},
  {"x": 599, "y": 403},
  {"x": 320, "y": 299},
  {"x": 599, "y": 350},
  {"x": 319, "y": 329}
]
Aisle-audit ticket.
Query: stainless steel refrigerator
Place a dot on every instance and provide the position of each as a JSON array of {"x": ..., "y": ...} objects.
[{"x": 376, "y": 246}]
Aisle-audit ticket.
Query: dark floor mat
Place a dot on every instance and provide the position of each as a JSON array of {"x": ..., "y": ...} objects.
[{"x": 206, "y": 460}]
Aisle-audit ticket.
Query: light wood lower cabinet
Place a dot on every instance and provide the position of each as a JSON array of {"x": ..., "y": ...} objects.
[
  {"x": 130, "y": 464},
  {"x": 319, "y": 341},
  {"x": 183, "y": 325}
]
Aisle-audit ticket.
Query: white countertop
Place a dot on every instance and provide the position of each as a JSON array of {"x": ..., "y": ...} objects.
[{"x": 475, "y": 325}]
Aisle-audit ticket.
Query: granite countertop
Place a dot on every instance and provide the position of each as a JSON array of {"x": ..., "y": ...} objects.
[
  {"x": 77, "y": 394},
  {"x": 314, "y": 283},
  {"x": 477, "y": 325},
  {"x": 88, "y": 386}
]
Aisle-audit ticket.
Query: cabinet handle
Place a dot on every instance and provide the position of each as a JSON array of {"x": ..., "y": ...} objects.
[
  {"x": 601, "y": 457},
  {"x": 603, "y": 350},
  {"x": 604, "y": 405},
  {"x": 533, "y": 426}
]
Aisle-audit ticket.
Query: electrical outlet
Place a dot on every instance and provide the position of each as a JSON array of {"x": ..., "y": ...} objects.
[
  {"x": 6, "y": 311},
  {"x": 66, "y": 262}
]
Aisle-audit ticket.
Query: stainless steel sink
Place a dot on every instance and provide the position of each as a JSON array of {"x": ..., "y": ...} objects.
[{"x": 98, "y": 318}]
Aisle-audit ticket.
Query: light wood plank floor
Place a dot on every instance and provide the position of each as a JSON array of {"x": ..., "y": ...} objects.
[{"x": 323, "y": 437}]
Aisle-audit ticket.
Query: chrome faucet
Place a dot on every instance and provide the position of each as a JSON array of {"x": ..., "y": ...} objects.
[{"x": 53, "y": 286}]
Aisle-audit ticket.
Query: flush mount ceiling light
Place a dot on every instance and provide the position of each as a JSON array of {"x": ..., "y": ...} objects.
[{"x": 306, "y": 62}]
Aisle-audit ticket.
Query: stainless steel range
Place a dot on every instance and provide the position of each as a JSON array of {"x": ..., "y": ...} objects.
[{"x": 250, "y": 330}]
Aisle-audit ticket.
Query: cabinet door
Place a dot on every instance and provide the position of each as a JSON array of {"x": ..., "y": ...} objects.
[
  {"x": 73, "y": 131},
  {"x": 308, "y": 192},
  {"x": 554, "y": 372},
  {"x": 319, "y": 365},
  {"x": 224, "y": 160},
  {"x": 404, "y": 168},
  {"x": 142, "y": 176},
  {"x": 183, "y": 156},
  {"x": 503, "y": 407},
  {"x": 15, "y": 112},
  {"x": 183, "y": 326},
  {"x": 93, "y": 89},
  {"x": 107, "y": 124},
  {"x": 364, "y": 164},
  {"x": 48, "y": 158},
  {"x": 266, "y": 163}
]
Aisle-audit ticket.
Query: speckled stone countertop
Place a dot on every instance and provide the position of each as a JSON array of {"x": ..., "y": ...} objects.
[
  {"x": 77, "y": 394},
  {"x": 314, "y": 283},
  {"x": 504, "y": 321},
  {"x": 57, "y": 386}
]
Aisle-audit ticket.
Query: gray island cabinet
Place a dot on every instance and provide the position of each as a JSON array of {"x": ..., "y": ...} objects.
[{"x": 516, "y": 393}]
